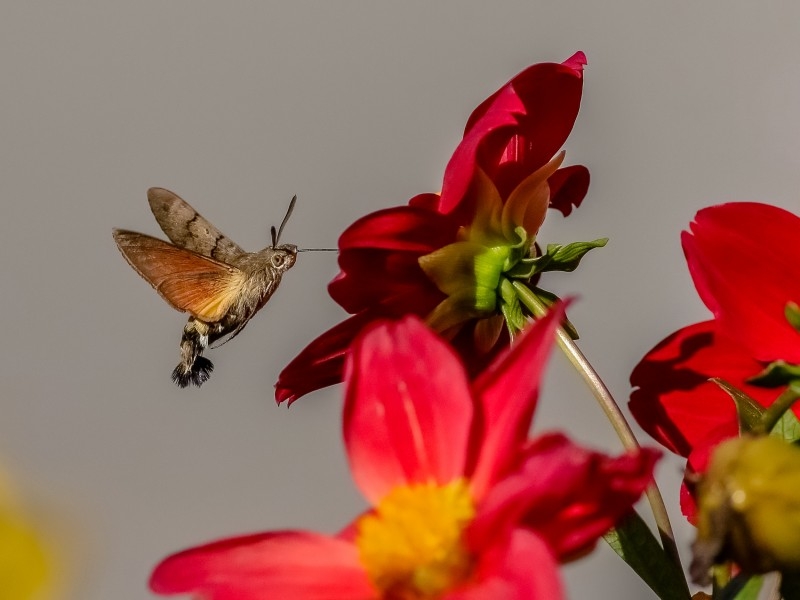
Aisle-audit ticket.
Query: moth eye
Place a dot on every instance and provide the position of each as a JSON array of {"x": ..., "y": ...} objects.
[{"x": 277, "y": 260}]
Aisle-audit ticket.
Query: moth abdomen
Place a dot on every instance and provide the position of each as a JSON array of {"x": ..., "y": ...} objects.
[
  {"x": 193, "y": 368},
  {"x": 196, "y": 374}
]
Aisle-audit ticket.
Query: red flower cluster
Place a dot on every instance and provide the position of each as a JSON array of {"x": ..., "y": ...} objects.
[
  {"x": 444, "y": 257},
  {"x": 465, "y": 506},
  {"x": 745, "y": 264}
]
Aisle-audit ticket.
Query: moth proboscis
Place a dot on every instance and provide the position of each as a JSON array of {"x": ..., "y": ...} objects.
[{"x": 206, "y": 274}]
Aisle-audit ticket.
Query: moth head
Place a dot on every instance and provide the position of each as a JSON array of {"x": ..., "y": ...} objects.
[{"x": 282, "y": 257}]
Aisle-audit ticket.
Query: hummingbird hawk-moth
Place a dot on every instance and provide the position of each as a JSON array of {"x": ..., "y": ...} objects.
[{"x": 206, "y": 274}]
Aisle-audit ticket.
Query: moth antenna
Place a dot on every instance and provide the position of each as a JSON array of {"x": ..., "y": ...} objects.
[
  {"x": 274, "y": 236},
  {"x": 286, "y": 218},
  {"x": 317, "y": 249}
]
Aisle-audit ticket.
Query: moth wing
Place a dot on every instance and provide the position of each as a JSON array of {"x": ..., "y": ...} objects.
[
  {"x": 204, "y": 287},
  {"x": 187, "y": 228}
]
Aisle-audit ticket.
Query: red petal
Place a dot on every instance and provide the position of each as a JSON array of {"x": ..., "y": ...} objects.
[
  {"x": 569, "y": 495},
  {"x": 698, "y": 463},
  {"x": 745, "y": 261},
  {"x": 517, "y": 129},
  {"x": 507, "y": 393},
  {"x": 321, "y": 363},
  {"x": 408, "y": 408},
  {"x": 674, "y": 401},
  {"x": 568, "y": 187},
  {"x": 370, "y": 277},
  {"x": 516, "y": 567},
  {"x": 286, "y": 564},
  {"x": 401, "y": 228}
]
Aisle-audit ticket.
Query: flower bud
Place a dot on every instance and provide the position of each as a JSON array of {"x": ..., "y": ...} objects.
[{"x": 749, "y": 507}]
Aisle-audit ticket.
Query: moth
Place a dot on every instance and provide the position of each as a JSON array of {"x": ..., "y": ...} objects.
[{"x": 204, "y": 273}]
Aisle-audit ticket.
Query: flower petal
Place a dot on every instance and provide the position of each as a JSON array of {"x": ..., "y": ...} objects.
[
  {"x": 673, "y": 400},
  {"x": 369, "y": 277},
  {"x": 283, "y": 564},
  {"x": 507, "y": 393},
  {"x": 569, "y": 495},
  {"x": 321, "y": 363},
  {"x": 517, "y": 567},
  {"x": 745, "y": 262},
  {"x": 568, "y": 187},
  {"x": 401, "y": 228},
  {"x": 517, "y": 129},
  {"x": 408, "y": 408}
]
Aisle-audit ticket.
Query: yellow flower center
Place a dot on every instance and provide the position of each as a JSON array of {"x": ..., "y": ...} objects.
[{"x": 412, "y": 546}]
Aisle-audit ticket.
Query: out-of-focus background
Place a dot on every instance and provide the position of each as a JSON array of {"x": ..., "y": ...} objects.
[{"x": 353, "y": 106}]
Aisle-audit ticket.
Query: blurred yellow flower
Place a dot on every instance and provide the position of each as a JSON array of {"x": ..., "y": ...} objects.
[{"x": 26, "y": 563}]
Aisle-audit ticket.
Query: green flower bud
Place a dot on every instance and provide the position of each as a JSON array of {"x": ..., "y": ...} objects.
[{"x": 749, "y": 507}]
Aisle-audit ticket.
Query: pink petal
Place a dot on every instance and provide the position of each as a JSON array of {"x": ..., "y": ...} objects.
[
  {"x": 507, "y": 393},
  {"x": 569, "y": 495},
  {"x": 530, "y": 118},
  {"x": 519, "y": 566},
  {"x": 568, "y": 187},
  {"x": 408, "y": 408},
  {"x": 283, "y": 564},
  {"x": 673, "y": 400},
  {"x": 745, "y": 261}
]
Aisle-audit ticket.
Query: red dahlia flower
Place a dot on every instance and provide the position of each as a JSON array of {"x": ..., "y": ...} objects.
[
  {"x": 465, "y": 506},
  {"x": 744, "y": 259},
  {"x": 451, "y": 258}
]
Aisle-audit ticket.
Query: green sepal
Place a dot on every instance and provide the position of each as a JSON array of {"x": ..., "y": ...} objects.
[
  {"x": 511, "y": 308},
  {"x": 557, "y": 258},
  {"x": 792, "y": 313},
  {"x": 787, "y": 428},
  {"x": 517, "y": 250},
  {"x": 742, "y": 587},
  {"x": 633, "y": 541},
  {"x": 748, "y": 410},
  {"x": 776, "y": 374},
  {"x": 548, "y": 299}
]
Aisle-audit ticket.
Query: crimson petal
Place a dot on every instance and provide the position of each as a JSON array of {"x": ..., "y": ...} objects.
[
  {"x": 536, "y": 109},
  {"x": 745, "y": 263},
  {"x": 673, "y": 400},
  {"x": 568, "y": 187},
  {"x": 321, "y": 363}
]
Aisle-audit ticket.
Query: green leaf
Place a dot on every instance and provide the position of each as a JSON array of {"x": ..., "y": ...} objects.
[
  {"x": 748, "y": 410},
  {"x": 787, "y": 428},
  {"x": 558, "y": 257},
  {"x": 633, "y": 541},
  {"x": 792, "y": 313},
  {"x": 776, "y": 374},
  {"x": 742, "y": 587}
]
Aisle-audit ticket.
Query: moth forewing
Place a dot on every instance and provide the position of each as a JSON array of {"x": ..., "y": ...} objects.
[{"x": 187, "y": 228}]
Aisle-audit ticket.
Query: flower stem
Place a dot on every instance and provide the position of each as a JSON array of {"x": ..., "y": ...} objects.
[{"x": 613, "y": 413}]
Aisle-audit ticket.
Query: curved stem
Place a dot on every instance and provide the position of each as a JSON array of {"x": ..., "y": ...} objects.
[{"x": 613, "y": 413}]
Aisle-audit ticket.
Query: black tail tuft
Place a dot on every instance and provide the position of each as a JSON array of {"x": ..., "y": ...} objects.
[{"x": 198, "y": 374}]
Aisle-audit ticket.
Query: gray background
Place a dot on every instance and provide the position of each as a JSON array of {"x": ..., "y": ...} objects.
[{"x": 353, "y": 106}]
